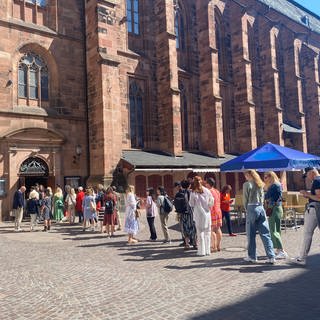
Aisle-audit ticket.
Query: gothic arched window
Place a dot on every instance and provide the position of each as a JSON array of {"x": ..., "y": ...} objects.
[
  {"x": 40, "y": 3},
  {"x": 221, "y": 49},
  {"x": 33, "y": 78},
  {"x": 179, "y": 26},
  {"x": 136, "y": 116},
  {"x": 133, "y": 16}
]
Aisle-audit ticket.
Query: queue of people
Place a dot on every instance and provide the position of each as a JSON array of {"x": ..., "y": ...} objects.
[{"x": 200, "y": 209}]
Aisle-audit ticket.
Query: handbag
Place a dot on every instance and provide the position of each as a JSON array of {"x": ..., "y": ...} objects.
[{"x": 269, "y": 211}]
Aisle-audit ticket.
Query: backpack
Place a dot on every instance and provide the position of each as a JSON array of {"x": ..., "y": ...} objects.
[
  {"x": 109, "y": 206},
  {"x": 167, "y": 205},
  {"x": 181, "y": 202}
]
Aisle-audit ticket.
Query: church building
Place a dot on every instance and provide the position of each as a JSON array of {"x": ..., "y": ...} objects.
[{"x": 148, "y": 92}]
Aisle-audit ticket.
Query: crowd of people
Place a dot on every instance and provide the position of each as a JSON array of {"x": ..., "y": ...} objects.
[{"x": 199, "y": 205}]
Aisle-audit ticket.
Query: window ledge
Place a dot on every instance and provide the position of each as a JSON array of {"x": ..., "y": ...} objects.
[
  {"x": 30, "y": 110},
  {"x": 30, "y": 26},
  {"x": 109, "y": 59},
  {"x": 111, "y": 3},
  {"x": 128, "y": 53},
  {"x": 39, "y": 112}
]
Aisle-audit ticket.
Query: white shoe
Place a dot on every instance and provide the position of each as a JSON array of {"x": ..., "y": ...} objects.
[
  {"x": 298, "y": 260},
  {"x": 249, "y": 259},
  {"x": 282, "y": 255},
  {"x": 271, "y": 261}
]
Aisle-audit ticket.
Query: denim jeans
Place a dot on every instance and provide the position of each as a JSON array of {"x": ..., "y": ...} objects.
[
  {"x": 257, "y": 221},
  {"x": 226, "y": 215},
  {"x": 80, "y": 214}
]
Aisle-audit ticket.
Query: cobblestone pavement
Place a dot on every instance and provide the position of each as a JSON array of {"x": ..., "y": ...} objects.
[{"x": 70, "y": 274}]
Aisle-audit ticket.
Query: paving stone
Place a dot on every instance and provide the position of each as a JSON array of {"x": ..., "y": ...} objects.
[{"x": 70, "y": 274}]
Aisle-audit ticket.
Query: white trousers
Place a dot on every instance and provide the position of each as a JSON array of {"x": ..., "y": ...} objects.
[
  {"x": 204, "y": 241},
  {"x": 18, "y": 214},
  {"x": 310, "y": 224},
  {"x": 33, "y": 218}
]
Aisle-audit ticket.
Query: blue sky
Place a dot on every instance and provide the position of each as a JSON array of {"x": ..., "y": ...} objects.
[{"x": 312, "y": 5}]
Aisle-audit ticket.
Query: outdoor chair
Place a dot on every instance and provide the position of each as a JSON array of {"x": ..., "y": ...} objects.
[
  {"x": 301, "y": 208},
  {"x": 291, "y": 209},
  {"x": 238, "y": 211}
]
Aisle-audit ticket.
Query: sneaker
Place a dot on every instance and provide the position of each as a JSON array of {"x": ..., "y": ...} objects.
[
  {"x": 249, "y": 259},
  {"x": 299, "y": 261},
  {"x": 282, "y": 255},
  {"x": 232, "y": 235},
  {"x": 271, "y": 261}
]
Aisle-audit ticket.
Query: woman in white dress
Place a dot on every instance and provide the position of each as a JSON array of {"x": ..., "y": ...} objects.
[
  {"x": 201, "y": 201},
  {"x": 71, "y": 204},
  {"x": 131, "y": 225}
]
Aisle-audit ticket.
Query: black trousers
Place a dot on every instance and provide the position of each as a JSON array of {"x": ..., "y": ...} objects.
[{"x": 153, "y": 233}]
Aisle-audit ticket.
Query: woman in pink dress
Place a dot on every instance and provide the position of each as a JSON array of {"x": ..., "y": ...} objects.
[{"x": 216, "y": 217}]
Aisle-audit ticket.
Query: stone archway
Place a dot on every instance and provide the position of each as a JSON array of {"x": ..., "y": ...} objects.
[
  {"x": 30, "y": 155},
  {"x": 34, "y": 170}
]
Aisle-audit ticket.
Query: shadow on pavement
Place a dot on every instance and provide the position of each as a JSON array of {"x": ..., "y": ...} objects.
[{"x": 296, "y": 298}]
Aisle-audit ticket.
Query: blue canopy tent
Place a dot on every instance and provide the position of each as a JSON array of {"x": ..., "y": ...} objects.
[{"x": 272, "y": 157}]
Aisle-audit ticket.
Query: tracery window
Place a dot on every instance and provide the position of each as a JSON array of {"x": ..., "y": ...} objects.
[
  {"x": 41, "y": 3},
  {"x": 133, "y": 16},
  {"x": 33, "y": 78},
  {"x": 136, "y": 116},
  {"x": 179, "y": 28}
]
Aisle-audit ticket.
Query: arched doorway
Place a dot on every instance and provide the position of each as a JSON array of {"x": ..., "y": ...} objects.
[{"x": 34, "y": 170}]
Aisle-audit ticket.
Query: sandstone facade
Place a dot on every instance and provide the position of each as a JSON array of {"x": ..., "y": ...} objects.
[{"x": 214, "y": 77}]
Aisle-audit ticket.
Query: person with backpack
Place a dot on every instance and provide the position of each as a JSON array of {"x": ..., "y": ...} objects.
[
  {"x": 109, "y": 212},
  {"x": 165, "y": 207},
  {"x": 151, "y": 210},
  {"x": 182, "y": 206}
]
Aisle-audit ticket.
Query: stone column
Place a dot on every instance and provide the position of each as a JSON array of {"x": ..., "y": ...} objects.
[
  {"x": 210, "y": 97},
  {"x": 312, "y": 103},
  {"x": 104, "y": 107},
  {"x": 293, "y": 109},
  {"x": 271, "y": 100},
  {"x": 168, "y": 95},
  {"x": 242, "y": 76}
]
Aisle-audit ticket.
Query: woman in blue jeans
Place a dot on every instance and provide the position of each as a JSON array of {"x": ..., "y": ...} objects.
[{"x": 253, "y": 197}]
